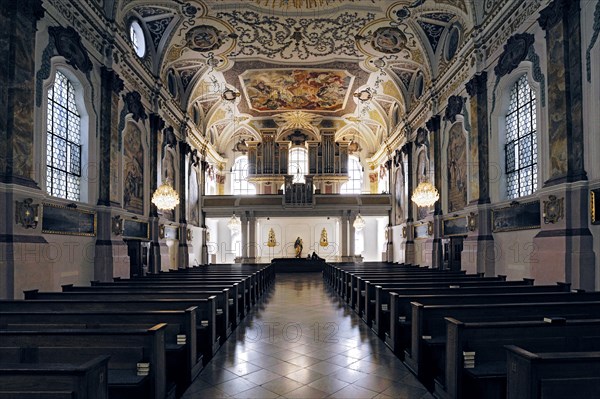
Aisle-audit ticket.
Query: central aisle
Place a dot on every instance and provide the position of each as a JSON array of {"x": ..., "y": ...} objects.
[{"x": 302, "y": 342}]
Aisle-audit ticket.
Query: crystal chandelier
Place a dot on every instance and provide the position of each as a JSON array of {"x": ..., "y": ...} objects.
[
  {"x": 359, "y": 222},
  {"x": 234, "y": 224},
  {"x": 165, "y": 197},
  {"x": 425, "y": 194}
]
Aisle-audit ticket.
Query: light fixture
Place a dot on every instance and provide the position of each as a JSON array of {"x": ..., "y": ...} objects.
[
  {"x": 165, "y": 197},
  {"x": 230, "y": 95},
  {"x": 425, "y": 194},
  {"x": 364, "y": 95},
  {"x": 359, "y": 222},
  {"x": 234, "y": 224}
]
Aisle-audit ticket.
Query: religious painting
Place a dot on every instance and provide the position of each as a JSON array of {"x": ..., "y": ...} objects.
[
  {"x": 193, "y": 208},
  {"x": 296, "y": 89},
  {"x": 133, "y": 169},
  {"x": 457, "y": 169},
  {"x": 399, "y": 191}
]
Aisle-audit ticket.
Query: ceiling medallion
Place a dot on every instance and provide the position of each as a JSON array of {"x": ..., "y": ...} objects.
[
  {"x": 364, "y": 95},
  {"x": 204, "y": 38},
  {"x": 230, "y": 95},
  {"x": 388, "y": 40}
]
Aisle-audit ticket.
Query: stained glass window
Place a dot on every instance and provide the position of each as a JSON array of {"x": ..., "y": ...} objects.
[
  {"x": 355, "y": 174},
  {"x": 521, "y": 141},
  {"x": 241, "y": 186},
  {"x": 298, "y": 164},
  {"x": 63, "y": 142}
]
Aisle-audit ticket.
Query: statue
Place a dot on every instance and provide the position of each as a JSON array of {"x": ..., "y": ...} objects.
[
  {"x": 271, "y": 241},
  {"x": 298, "y": 247},
  {"x": 323, "y": 241}
]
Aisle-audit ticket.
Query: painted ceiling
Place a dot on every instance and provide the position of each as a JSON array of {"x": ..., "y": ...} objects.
[{"x": 357, "y": 65}]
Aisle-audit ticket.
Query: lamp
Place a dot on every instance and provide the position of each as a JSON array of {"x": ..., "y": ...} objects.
[
  {"x": 359, "y": 222},
  {"x": 425, "y": 194},
  {"x": 165, "y": 197},
  {"x": 234, "y": 224}
]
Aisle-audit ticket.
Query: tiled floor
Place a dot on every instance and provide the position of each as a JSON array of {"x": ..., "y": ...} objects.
[{"x": 301, "y": 342}]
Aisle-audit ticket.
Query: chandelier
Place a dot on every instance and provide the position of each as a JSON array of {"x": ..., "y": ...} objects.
[
  {"x": 165, "y": 197},
  {"x": 425, "y": 194},
  {"x": 359, "y": 222},
  {"x": 234, "y": 224}
]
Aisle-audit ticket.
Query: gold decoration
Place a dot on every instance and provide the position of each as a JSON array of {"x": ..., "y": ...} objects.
[
  {"x": 323, "y": 241},
  {"x": 271, "y": 241},
  {"x": 472, "y": 221}
]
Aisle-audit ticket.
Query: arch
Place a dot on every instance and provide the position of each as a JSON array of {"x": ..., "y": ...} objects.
[
  {"x": 498, "y": 131},
  {"x": 83, "y": 98}
]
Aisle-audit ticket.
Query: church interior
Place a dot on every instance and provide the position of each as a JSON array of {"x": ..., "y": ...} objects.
[{"x": 286, "y": 166}]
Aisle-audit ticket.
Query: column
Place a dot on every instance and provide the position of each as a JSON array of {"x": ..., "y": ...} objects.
[
  {"x": 18, "y": 22},
  {"x": 154, "y": 259},
  {"x": 252, "y": 243},
  {"x": 478, "y": 255},
  {"x": 351, "y": 237},
  {"x": 183, "y": 255},
  {"x": 244, "y": 233},
  {"x": 564, "y": 242},
  {"x": 108, "y": 252},
  {"x": 344, "y": 221},
  {"x": 409, "y": 244},
  {"x": 204, "y": 251},
  {"x": 433, "y": 125}
]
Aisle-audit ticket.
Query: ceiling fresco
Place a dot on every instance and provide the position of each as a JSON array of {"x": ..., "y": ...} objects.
[
  {"x": 296, "y": 89},
  {"x": 355, "y": 64}
]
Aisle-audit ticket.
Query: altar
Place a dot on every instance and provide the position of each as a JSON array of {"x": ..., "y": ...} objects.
[{"x": 297, "y": 265}]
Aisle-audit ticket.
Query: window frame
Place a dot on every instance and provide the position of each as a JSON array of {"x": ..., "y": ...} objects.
[
  {"x": 87, "y": 112},
  {"x": 517, "y": 137},
  {"x": 300, "y": 164},
  {"x": 353, "y": 160},
  {"x": 238, "y": 180}
]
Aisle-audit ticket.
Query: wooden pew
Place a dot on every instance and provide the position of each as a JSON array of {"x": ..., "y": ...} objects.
[
  {"x": 207, "y": 340},
  {"x": 403, "y": 308},
  {"x": 223, "y": 328},
  {"x": 365, "y": 288},
  {"x": 236, "y": 309},
  {"x": 552, "y": 375},
  {"x": 149, "y": 343},
  {"x": 182, "y": 358},
  {"x": 54, "y": 380},
  {"x": 483, "y": 345},
  {"x": 428, "y": 327},
  {"x": 382, "y": 304}
]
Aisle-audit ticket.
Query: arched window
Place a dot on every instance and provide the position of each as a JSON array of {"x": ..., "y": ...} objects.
[
  {"x": 521, "y": 141},
  {"x": 298, "y": 164},
  {"x": 355, "y": 174},
  {"x": 63, "y": 141},
  {"x": 241, "y": 186}
]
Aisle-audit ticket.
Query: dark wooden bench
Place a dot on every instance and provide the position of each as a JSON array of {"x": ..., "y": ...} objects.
[
  {"x": 403, "y": 309},
  {"x": 145, "y": 345},
  {"x": 428, "y": 327},
  {"x": 86, "y": 379},
  {"x": 552, "y": 375},
  {"x": 183, "y": 364},
  {"x": 379, "y": 309},
  {"x": 207, "y": 340},
  {"x": 476, "y": 359},
  {"x": 223, "y": 328}
]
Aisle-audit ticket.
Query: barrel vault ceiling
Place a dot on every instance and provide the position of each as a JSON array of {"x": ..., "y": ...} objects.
[{"x": 238, "y": 67}]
